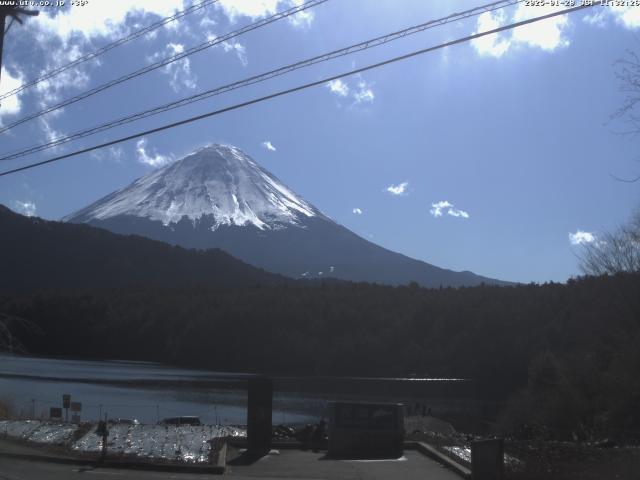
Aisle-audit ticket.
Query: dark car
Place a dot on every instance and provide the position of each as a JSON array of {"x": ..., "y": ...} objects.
[{"x": 185, "y": 420}]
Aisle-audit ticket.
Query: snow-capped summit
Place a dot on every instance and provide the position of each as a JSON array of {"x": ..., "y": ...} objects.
[
  {"x": 220, "y": 181},
  {"x": 218, "y": 197}
]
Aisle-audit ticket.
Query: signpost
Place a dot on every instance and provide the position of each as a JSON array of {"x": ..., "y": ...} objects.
[
  {"x": 76, "y": 406},
  {"x": 55, "y": 412},
  {"x": 66, "y": 401}
]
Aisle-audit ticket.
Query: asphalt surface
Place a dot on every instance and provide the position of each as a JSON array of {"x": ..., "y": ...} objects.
[
  {"x": 306, "y": 465},
  {"x": 288, "y": 464},
  {"x": 11, "y": 469}
]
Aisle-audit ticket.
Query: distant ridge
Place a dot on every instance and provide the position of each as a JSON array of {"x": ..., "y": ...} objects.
[{"x": 37, "y": 253}]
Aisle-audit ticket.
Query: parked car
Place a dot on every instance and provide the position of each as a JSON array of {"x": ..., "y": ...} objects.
[
  {"x": 124, "y": 421},
  {"x": 184, "y": 420}
]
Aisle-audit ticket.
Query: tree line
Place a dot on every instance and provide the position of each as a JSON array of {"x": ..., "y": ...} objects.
[{"x": 566, "y": 355}]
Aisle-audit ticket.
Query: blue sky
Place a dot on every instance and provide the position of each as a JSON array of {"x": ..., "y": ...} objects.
[{"x": 493, "y": 156}]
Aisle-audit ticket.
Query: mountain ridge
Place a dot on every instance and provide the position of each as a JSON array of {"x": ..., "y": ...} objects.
[
  {"x": 46, "y": 254},
  {"x": 219, "y": 197}
]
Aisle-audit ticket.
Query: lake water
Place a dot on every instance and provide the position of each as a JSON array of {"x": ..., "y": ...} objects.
[{"x": 147, "y": 392}]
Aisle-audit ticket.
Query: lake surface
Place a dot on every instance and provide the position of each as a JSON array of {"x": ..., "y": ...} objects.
[
  {"x": 150, "y": 392},
  {"x": 140, "y": 390}
]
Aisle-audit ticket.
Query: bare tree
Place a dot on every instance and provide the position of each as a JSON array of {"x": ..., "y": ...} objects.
[
  {"x": 613, "y": 252},
  {"x": 628, "y": 74},
  {"x": 627, "y": 71},
  {"x": 8, "y": 342}
]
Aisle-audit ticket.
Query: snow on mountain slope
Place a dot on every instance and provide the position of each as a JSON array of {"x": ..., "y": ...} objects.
[
  {"x": 217, "y": 180},
  {"x": 218, "y": 197}
]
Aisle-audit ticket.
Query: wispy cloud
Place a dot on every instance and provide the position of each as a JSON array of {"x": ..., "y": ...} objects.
[
  {"x": 628, "y": 16},
  {"x": 360, "y": 90},
  {"x": 53, "y": 90},
  {"x": 443, "y": 206},
  {"x": 399, "y": 189},
  {"x": 301, "y": 19},
  {"x": 153, "y": 160},
  {"x": 237, "y": 48},
  {"x": 179, "y": 72},
  {"x": 580, "y": 237},
  {"x": 357, "y": 211},
  {"x": 269, "y": 146},
  {"x": 25, "y": 208},
  {"x": 50, "y": 133},
  {"x": 113, "y": 153},
  {"x": 364, "y": 93},
  {"x": 455, "y": 212}
]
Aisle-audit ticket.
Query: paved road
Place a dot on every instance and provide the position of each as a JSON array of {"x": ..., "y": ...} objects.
[
  {"x": 304, "y": 465},
  {"x": 289, "y": 465},
  {"x": 11, "y": 469}
]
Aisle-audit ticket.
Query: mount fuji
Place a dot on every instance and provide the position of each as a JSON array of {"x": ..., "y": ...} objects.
[{"x": 218, "y": 197}]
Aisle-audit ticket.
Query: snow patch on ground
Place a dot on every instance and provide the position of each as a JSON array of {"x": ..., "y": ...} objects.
[
  {"x": 173, "y": 443},
  {"x": 166, "y": 442},
  {"x": 37, "y": 431}
]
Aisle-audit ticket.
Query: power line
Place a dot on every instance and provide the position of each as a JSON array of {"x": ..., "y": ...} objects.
[
  {"x": 374, "y": 42},
  {"x": 110, "y": 46},
  {"x": 299, "y": 88},
  {"x": 165, "y": 61}
]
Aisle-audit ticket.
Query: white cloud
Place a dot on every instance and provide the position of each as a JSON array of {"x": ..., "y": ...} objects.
[
  {"x": 357, "y": 211},
  {"x": 364, "y": 92},
  {"x": 628, "y": 16},
  {"x": 243, "y": 8},
  {"x": 436, "y": 211},
  {"x": 69, "y": 32},
  {"x": 100, "y": 19},
  {"x": 494, "y": 45},
  {"x": 25, "y": 208},
  {"x": 399, "y": 189},
  {"x": 338, "y": 87},
  {"x": 238, "y": 48},
  {"x": 255, "y": 9},
  {"x": 439, "y": 208},
  {"x": 156, "y": 160},
  {"x": 10, "y": 105},
  {"x": 301, "y": 19},
  {"x": 361, "y": 92},
  {"x": 581, "y": 237},
  {"x": 269, "y": 146},
  {"x": 546, "y": 34},
  {"x": 455, "y": 212}
]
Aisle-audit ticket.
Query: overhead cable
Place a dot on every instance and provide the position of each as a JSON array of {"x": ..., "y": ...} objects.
[{"x": 297, "y": 89}]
